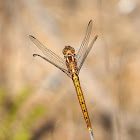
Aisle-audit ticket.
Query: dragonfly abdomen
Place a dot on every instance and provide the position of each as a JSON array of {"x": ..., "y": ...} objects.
[{"x": 81, "y": 99}]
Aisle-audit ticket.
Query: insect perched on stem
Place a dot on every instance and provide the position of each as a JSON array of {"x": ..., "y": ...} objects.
[{"x": 71, "y": 65}]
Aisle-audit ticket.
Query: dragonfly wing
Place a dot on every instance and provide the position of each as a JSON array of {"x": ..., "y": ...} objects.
[
  {"x": 84, "y": 44},
  {"x": 84, "y": 49},
  {"x": 64, "y": 70},
  {"x": 51, "y": 57},
  {"x": 86, "y": 52}
]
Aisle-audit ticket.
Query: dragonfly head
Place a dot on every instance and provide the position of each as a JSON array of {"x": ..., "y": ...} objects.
[{"x": 68, "y": 50}]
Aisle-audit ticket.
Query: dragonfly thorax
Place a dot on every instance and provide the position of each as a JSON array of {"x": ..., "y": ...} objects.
[{"x": 70, "y": 56}]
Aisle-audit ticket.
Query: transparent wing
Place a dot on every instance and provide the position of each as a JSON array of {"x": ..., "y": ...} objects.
[
  {"x": 51, "y": 57},
  {"x": 86, "y": 53},
  {"x": 84, "y": 44},
  {"x": 84, "y": 48}
]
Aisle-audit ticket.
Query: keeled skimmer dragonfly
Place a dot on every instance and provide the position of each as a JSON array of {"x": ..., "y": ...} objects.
[{"x": 71, "y": 64}]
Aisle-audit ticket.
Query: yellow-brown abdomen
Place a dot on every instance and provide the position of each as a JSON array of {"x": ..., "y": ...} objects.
[{"x": 81, "y": 100}]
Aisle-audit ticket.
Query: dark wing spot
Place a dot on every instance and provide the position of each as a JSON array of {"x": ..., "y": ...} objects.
[{"x": 32, "y": 36}]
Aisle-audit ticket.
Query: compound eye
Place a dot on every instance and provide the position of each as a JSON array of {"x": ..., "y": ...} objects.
[
  {"x": 64, "y": 52},
  {"x": 72, "y": 51}
]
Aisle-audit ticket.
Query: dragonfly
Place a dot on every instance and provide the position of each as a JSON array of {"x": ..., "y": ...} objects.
[{"x": 71, "y": 64}]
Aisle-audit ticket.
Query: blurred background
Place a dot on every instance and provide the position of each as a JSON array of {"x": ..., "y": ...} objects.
[{"x": 38, "y": 101}]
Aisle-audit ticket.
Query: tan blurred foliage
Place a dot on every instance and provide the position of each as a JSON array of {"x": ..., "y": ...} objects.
[{"x": 110, "y": 76}]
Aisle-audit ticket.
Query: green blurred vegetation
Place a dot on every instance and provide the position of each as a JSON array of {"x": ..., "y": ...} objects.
[{"x": 13, "y": 126}]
